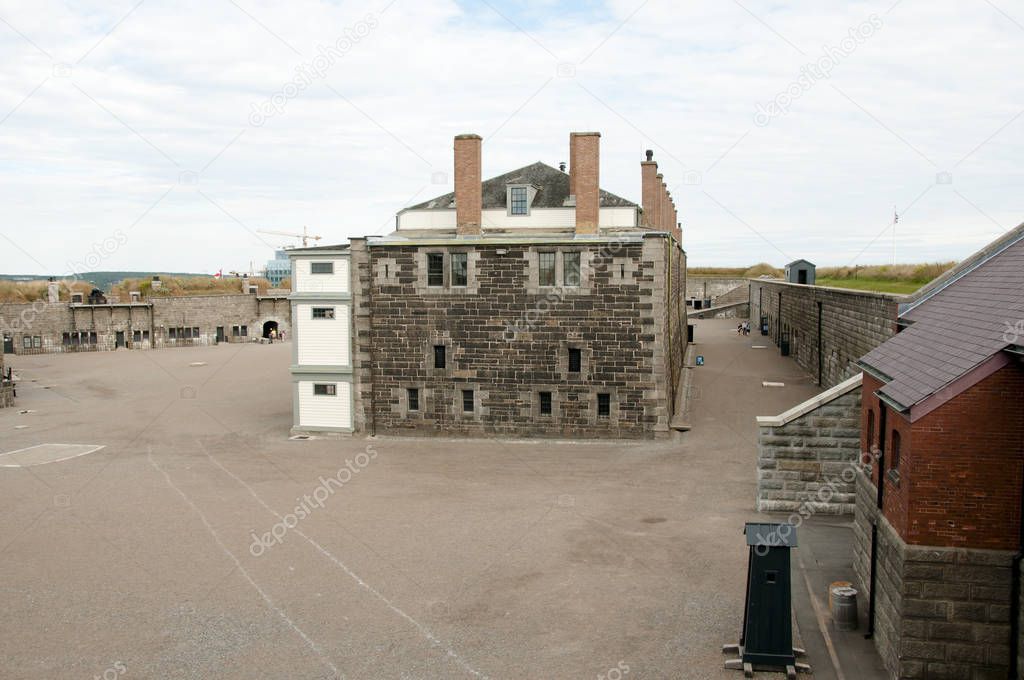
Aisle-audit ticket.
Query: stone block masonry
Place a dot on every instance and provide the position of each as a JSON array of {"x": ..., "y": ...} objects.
[
  {"x": 807, "y": 457},
  {"x": 6, "y": 388},
  {"x": 828, "y": 328},
  {"x": 506, "y": 338},
  {"x": 940, "y": 612}
]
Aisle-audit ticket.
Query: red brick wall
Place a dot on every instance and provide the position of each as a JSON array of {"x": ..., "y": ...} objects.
[{"x": 965, "y": 466}]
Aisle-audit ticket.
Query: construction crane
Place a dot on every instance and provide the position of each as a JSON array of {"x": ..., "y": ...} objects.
[{"x": 305, "y": 235}]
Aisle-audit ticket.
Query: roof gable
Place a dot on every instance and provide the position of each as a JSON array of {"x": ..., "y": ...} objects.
[{"x": 552, "y": 190}]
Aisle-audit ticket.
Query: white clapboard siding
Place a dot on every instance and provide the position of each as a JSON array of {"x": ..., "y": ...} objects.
[
  {"x": 322, "y": 342},
  {"x": 307, "y": 282},
  {"x": 317, "y": 410}
]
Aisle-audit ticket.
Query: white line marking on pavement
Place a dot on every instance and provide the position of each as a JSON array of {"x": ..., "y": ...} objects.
[
  {"x": 423, "y": 629},
  {"x": 90, "y": 448},
  {"x": 266, "y": 598}
]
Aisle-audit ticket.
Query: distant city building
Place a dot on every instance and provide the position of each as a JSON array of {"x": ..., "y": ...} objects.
[{"x": 279, "y": 269}]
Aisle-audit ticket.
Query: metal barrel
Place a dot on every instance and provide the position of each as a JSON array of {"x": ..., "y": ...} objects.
[{"x": 844, "y": 607}]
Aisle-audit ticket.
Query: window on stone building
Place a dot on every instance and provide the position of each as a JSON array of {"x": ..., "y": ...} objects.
[
  {"x": 321, "y": 267},
  {"x": 172, "y": 333},
  {"x": 575, "y": 359},
  {"x": 545, "y": 403},
  {"x": 413, "y": 395},
  {"x": 518, "y": 198},
  {"x": 894, "y": 454},
  {"x": 65, "y": 339},
  {"x": 435, "y": 269},
  {"x": 325, "y": 389},
  {"x": 37, "y": 341},
  {"x": 245, "y": 331},
  {"x": 321, "y": 313},
  {"x": 571, "y": 269},
  {"x": 460, "y": 269},
  {"x": 26, "y": 342},
  {"x": 546, "y": 269},
  {"x": 195, "y": 331},
  {"x": 440, "y": 358},
  {"x": 467, "y": 401},
  {"x": 92, "y": 337},
  {"x": 136, "y": 336},
  {"x": 604, "y": 405}
]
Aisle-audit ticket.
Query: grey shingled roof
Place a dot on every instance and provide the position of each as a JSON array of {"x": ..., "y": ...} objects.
[
  {"x": 552, "y": 190},
  {"x": 955, "y": 329}
]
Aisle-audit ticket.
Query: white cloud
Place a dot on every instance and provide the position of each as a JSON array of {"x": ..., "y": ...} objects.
[{"x": 173, "y": 84}]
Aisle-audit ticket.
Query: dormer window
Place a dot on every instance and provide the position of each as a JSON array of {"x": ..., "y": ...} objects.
[{"x": 518, "y": 201}]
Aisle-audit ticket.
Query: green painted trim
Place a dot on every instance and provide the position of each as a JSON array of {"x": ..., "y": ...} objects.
[
  {"x": 320, "y": 297},
  {"x": 309, "y": 373}
]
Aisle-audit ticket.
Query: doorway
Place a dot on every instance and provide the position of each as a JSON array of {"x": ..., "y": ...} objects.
[
  {"x": 119, "y": 339},
  {"x": 269, "y": 326},
  {"x": 8, "y": 344},
  {"x": 220, "y": 334}
]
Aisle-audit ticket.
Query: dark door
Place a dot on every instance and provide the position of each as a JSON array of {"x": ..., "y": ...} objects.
[
  {"x": 8, "y": 344},
  {"x": 119, "y": 339},
  {"x": 801, "y": 276},
  {"x": 220, "y": 333}
]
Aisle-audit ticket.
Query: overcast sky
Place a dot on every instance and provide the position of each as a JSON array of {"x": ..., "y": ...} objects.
[{"x": 161, "y": 135}]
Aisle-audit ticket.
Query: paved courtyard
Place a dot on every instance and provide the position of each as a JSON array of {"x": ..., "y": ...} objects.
[{"x": 199, "y": 541}]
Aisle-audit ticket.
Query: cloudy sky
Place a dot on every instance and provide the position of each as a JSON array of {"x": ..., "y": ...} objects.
[{"x": 163, "y": 135}]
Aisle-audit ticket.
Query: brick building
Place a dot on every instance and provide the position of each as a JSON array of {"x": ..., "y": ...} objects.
[
  {"x": 938, "y": 511},
  {"x": 532, "y": 303}
]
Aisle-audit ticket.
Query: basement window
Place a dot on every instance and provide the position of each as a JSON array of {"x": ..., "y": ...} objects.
[
  {"x": 546, "y": 269},
  {"x": 435, "y": 269},
  {"x": 604, "y": 405},
  {"x": 320, "y": 313},
  {"x": 440, "y": 358},
  {"x": 545, "y": 403},
  {"x": 467, "y": 401},
  {"x": 575, "y": 359},
  {"x": 321, "y": 267},
  {"x": 325, "y": 389},
  {"x": 413, "y": 395}
]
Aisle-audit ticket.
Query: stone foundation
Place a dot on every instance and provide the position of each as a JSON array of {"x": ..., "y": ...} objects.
[
  {"x": 939, "y": 612},
  {"x": 807, "y": 457}
]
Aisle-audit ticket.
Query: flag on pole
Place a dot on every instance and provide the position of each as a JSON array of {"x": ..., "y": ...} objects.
[{"x": 219, "y": 274}]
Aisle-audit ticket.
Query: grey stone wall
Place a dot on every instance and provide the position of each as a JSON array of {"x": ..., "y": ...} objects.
[
  {"x": 808, "y": 465},
  {"x": 713, "y": 287},
  {"x": 6, "y": 389},
  {"x": 508, "y": 341},
  {"x": 940, "y": 612},
  {"x": 44, "y": 324},
  {"x": 852, "y": 324}
]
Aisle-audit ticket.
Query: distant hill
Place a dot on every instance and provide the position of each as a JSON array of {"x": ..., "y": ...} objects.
[{"x": 101, "y": 280}]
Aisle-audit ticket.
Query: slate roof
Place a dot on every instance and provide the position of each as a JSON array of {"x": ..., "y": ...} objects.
[
  {"x": 552, "y": 190},
  {"x": 959, "y": 326}
]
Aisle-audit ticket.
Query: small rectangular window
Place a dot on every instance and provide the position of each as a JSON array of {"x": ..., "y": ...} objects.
[
  {"x": 545, "y": 403},
  {"x": 136, "y": 336},
  {"x": 575, "y": 360},
  {"x": 435, "y": 269},
  {"x": 26, "y": 342},
  {"x": 245, "y": 331},
  {"x": 322, "y": 313},
  {"x": 325, "y": 389},
  {"x": 195, "y": 331},
  {"x": 92, "y": 338},
  {"x": 571, "y": 269},
  {"x": 235, "y": 331},
  {"x": 604, "y": 405},
  {"x": 546, "y": 269},
  {"x": 37, "y": 342},
  {"x": 321, "y": 267},
  {"x": 467, "y": 401},
  {"x": 440, "y": 360},
  {"x": 145, "y": 336},
  {"x": 172, "y": 333},
  {"x": 66, "y": 339},
  {"x": 413, "y": 394},
  {"x": 459, "y": 269},
  {"x": 518, "y": 199}
]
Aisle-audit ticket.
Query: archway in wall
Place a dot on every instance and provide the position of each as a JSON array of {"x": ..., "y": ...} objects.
[{"x": 269, "y": 326}]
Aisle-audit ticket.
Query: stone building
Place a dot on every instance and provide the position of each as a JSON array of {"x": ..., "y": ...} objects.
[
  {"x": 939, "y": 509},
  {"x": 6, "y": 386},
  {"x": 532, "y": 303},
  {"x": 54, "y": 326}
]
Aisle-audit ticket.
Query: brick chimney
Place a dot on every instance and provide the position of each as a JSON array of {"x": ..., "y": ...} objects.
[
  {"x": 666, "y": 207},
  {"x": 468, "y": 184},
  {"x": 649, "y": 189},
  {"x": 585, "y": 177}
]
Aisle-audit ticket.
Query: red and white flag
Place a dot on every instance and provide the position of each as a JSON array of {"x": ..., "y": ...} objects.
[{"x": 220, "y": 273}]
